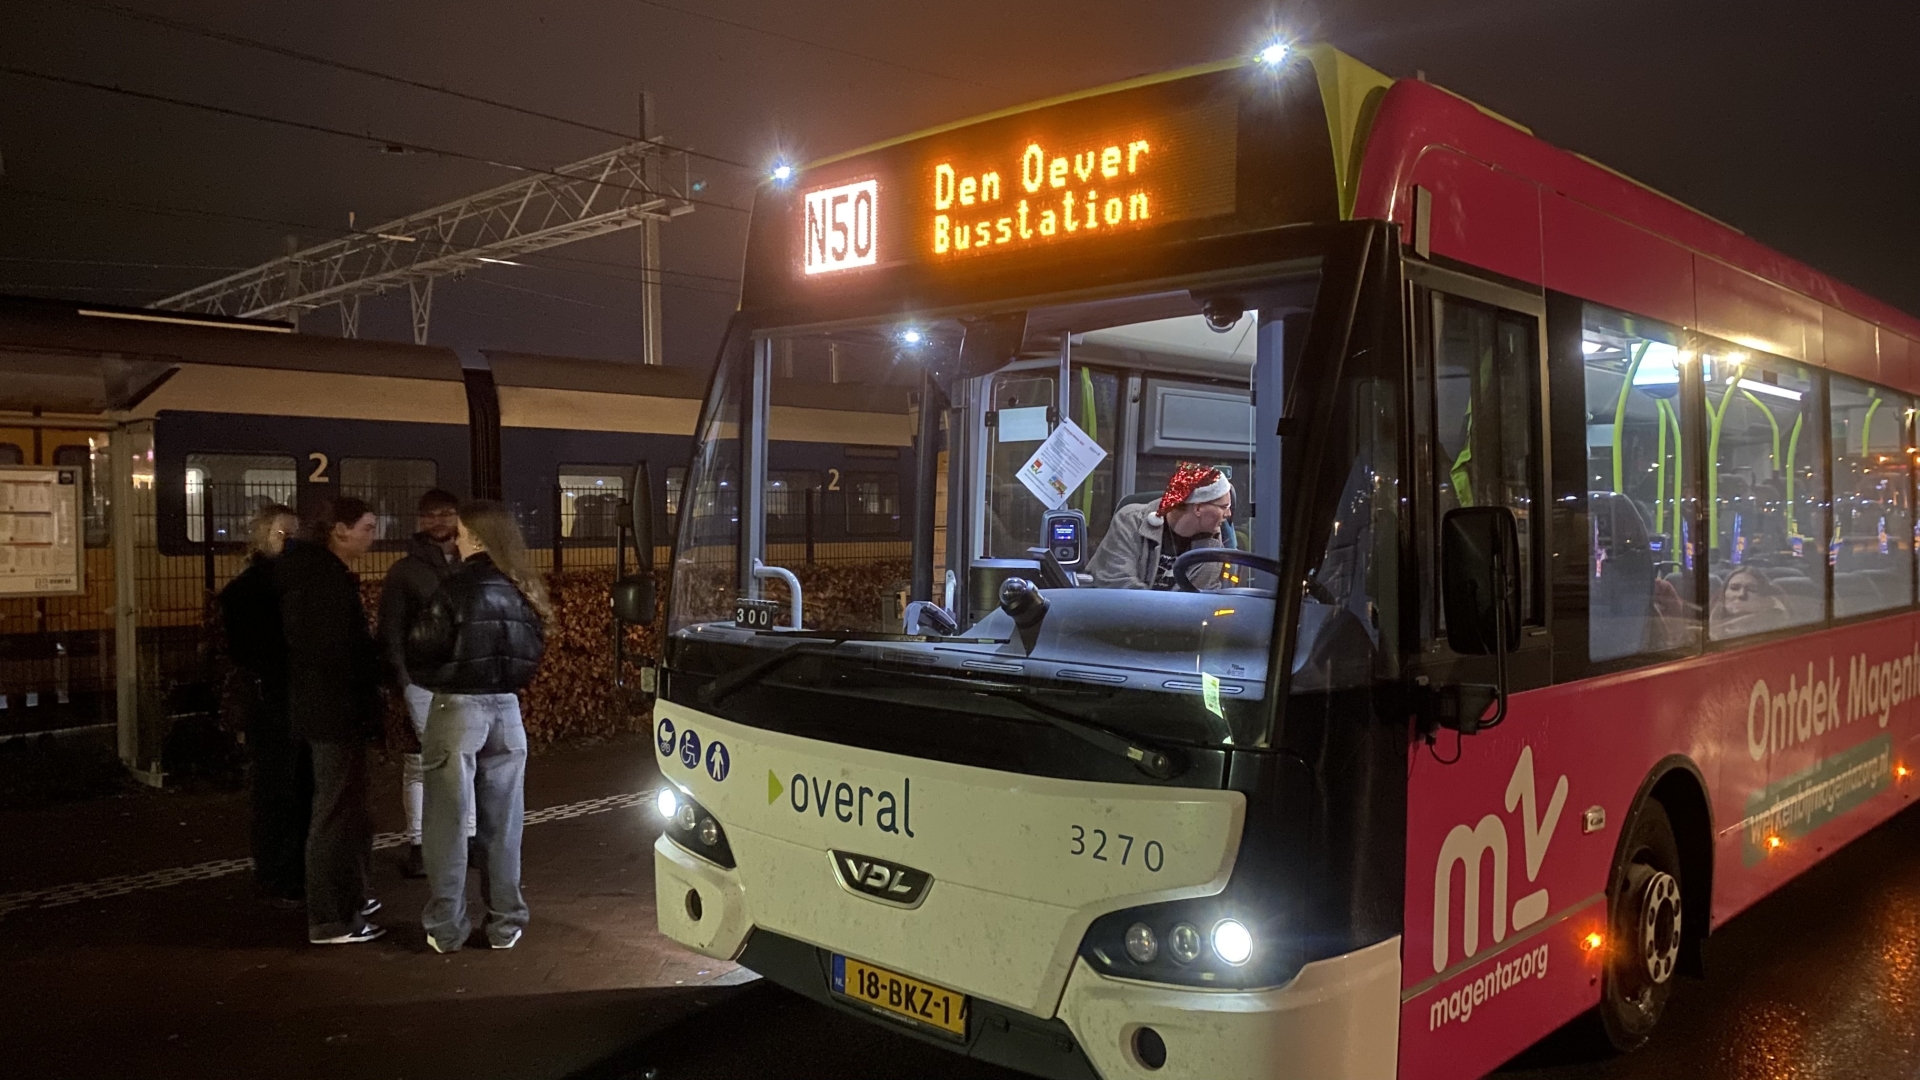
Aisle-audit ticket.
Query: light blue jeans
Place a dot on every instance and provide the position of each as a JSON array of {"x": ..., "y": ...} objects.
[
  {"x": 474, "y": 764},
  {"x": 413, "y": 790}
]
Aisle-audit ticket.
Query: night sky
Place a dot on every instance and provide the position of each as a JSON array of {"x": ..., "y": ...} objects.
[{"x": 1793, "y": 121}]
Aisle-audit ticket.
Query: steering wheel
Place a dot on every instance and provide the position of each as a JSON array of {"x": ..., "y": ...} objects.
[{"x": 1199, "y": 556}]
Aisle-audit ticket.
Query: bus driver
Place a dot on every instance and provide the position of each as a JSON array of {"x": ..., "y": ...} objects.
[{"x": 1144, "y": 539}]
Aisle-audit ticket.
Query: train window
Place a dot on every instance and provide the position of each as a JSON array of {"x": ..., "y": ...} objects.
[
  {"x": 223, "y": 491},
  {"x": 96, "y": 487},
  {"x": 873, "y": 503},
  {"x": 10, "y": 454},
  {"x": 590, "y": 497},
  {"x": 793, "y": 502},
  {"x": 676, "y": 482},
  {"x": 1872, "y": 515},
  {"x": 392, "y": 486}
]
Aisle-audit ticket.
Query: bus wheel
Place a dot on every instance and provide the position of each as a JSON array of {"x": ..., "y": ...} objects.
[{"x": 1644, "y": 909}]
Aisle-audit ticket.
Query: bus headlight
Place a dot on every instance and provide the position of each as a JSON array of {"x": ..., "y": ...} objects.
[
  {"x": 1209, "y": 942},
  {"x": 691, "y": 827},
  {"x": 1232, "y": 942}
]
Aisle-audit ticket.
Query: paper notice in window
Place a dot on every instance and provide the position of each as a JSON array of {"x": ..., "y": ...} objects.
[{"x": 1061, "y": 464}]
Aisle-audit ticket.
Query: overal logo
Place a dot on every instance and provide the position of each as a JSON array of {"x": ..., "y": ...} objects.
[
  {"x": 878, "y": 879},
  {"x": 1471, "y": 847}
]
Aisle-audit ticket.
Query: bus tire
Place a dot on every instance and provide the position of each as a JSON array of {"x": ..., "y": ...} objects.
[{"x": 1644, "y": 909}]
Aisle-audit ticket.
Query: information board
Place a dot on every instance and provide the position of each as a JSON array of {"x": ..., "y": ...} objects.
[{"x": 41, "y": 552}]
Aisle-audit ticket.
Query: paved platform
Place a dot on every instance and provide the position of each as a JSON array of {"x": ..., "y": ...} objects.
[{"x": 132, "y": 944}]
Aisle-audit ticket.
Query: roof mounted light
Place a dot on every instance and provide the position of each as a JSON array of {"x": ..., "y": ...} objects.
[
  {"x": 910, "y": 336},
  {"x": 1276, "y": 53},
  {"x": 782, "y": 173}
]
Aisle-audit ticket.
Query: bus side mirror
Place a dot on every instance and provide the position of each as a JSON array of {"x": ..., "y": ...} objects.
[
  {"x": 1479, "y": 587},
  {"x": 634, "y": 599}
]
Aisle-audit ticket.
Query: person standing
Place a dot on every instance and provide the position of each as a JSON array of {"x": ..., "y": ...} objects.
[
  {"x": 333, "y": 692},
  {"x": 280, "y": 773},
  {"x": 410, "y": 583},
  {"x": 478, "y": 641}
]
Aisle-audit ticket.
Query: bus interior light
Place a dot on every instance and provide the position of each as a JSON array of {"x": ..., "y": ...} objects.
[
  {"x": 911, "y": 336},
  {"x": 1232, "y": 942}
]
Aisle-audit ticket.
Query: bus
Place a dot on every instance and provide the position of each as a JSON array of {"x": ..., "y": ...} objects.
[{"x": 1566, "y": 607}]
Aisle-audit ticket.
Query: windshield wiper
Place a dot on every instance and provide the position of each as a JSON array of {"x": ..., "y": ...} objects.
[
  {"x": 1151, "y": 760},
  {"x": 726, "y": 685}
]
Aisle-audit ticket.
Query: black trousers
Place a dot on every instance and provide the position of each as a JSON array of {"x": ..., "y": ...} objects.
[
  {"x": 340, "y": 841},
  {"x": 282, "y": 777}
]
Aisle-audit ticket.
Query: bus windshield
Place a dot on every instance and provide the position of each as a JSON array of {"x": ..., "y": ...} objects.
[{"x": 973, "y": 514}]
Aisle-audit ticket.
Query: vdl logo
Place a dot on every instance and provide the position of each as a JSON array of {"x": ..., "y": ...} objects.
[
  {"x": 1469, "y": 847},
  {"x": 718, "y": 761}
]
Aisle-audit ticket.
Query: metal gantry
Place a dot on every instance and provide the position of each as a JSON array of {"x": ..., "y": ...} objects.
[{"x": 642, "y": 183}]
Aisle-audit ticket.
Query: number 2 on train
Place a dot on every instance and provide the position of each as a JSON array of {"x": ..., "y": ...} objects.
[{"x": 319, "y": 473}]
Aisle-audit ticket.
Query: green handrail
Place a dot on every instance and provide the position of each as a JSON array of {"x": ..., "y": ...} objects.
[
  {"x": 1620, "y": 411},
  {"x": 1660, "y": 467},
  {"x": 1679, "y": 472},
  {"x": 1089, "y": 423},
  {"x": 1793, "y": 455},
  {"x": 1713, "y": 464}
]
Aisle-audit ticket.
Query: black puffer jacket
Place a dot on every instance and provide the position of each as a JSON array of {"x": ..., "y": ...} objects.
[
  {"x": 478, "y": 635},
  {"x": 410, "y": 584}
]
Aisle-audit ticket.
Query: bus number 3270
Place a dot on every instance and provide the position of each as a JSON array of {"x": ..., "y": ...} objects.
[{"x": 1118, "y": 847}]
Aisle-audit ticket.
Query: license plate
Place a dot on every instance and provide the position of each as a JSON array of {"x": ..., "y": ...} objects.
[
  {"x": 896, "y": 994},
  {"x": 755, "y": 614}
]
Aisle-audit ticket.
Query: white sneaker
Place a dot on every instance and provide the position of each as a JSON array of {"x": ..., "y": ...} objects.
[
  {"x": 434, "y": 944},
  {"x": 369, "y": 907},
  {"x": 366, "y": 932},
  {"x": 513, "y": 938}
]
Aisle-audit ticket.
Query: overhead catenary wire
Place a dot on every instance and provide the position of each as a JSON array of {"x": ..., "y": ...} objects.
[
  {"x": 323, "y": 129},
  {"x": 185, "y": 27}
]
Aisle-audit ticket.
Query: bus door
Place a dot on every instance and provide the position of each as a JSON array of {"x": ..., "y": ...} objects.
[{"x": 1479, "y": 407}]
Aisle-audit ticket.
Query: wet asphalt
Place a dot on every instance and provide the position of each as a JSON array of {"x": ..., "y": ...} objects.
[{"x": 195, "y": 978}]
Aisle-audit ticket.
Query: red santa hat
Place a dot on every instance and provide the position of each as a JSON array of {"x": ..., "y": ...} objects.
[{"x": 1194, "y": 484}]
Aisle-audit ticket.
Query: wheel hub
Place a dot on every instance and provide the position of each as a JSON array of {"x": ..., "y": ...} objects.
[{"x": 1660, "y": 926}]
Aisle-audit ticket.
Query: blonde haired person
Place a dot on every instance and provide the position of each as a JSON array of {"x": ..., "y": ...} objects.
[
  {"x": 280, "y": 776},
  {"x": 477, "y": 642}
]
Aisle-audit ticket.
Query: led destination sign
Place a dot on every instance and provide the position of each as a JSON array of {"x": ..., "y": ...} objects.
[
  {"x": 1050, "y": 178},
  {"x": 1056, "y": 187}
]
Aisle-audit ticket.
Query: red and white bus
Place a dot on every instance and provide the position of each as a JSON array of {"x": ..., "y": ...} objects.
[{"x": 1565, "y": 609}]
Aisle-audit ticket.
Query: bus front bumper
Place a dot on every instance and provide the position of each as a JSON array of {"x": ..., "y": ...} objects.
[{"x": 1338, "y": 1017}]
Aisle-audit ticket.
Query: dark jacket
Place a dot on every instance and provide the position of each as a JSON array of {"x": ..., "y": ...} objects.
[
  {"x": 333, "y": 664},
  {"x": 477, "y": 636},
  {"x": 250, "y": 614},
  {"x": 409, "y": 585}
]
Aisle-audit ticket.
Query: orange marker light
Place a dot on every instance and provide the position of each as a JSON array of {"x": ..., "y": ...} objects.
[
  {"x": 1774, "y": 843},
  {"x": 1901, "y": 771},
  {"x": 1593, "y": 941}
]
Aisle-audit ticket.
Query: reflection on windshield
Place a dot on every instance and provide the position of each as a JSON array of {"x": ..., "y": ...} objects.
[{"x": 1066, "y": 506}]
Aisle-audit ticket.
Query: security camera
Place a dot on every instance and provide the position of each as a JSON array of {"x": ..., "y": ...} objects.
[{"x": 1223, "y": 315}]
